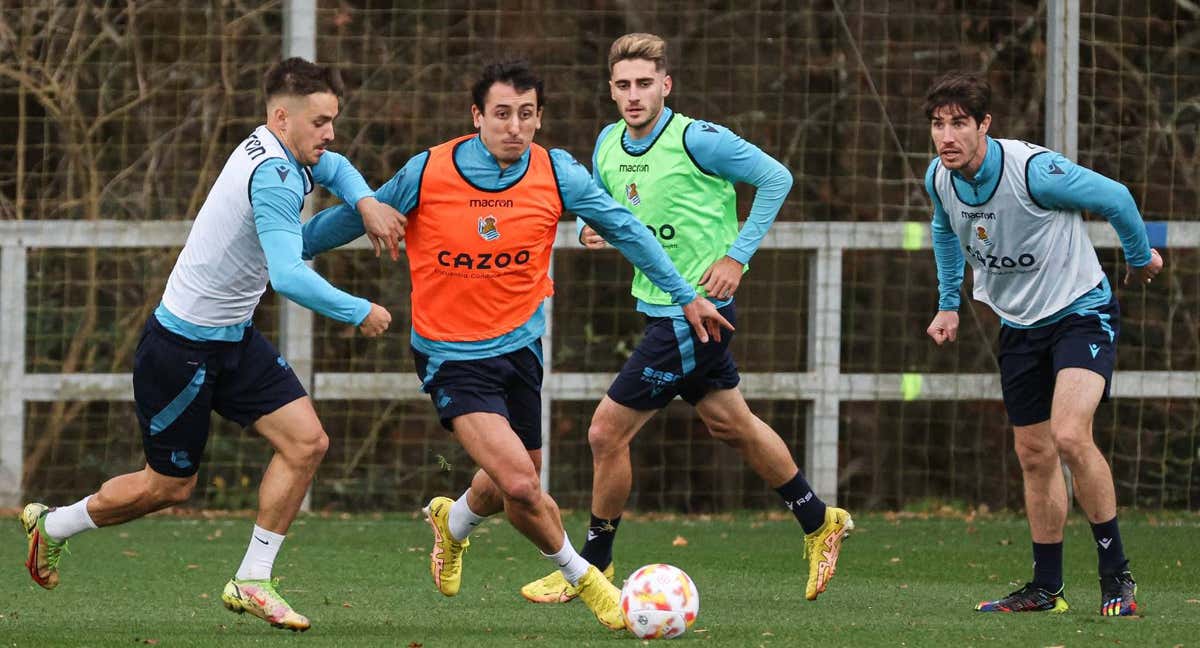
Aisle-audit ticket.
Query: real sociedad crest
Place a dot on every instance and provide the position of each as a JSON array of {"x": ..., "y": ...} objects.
[
  {"x": 632, "y": 194},
  {"x": 487, "y": 228}
]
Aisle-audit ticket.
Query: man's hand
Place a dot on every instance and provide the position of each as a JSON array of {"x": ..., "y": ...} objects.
[
  {"x": 705, "y": 319},
  {"x": 385, "y": 225},
  {"x": 376, "y": 322},
  {"x": 1146, "y": 273},
  {"x": 590, "y": 239},
  {"x": 722, "y": 278},
  {"x": 944, "y": 327}
]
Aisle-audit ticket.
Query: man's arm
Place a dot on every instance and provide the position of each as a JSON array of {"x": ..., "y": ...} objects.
[
  {"x": 949, "y": 259},
  {"x": 334, "y": 172},
  {"x": 338, "y": 225},
  {"x": 588, "y": 236},
  {"x": 1058, "y": 183},
  {"x": 384, "y": 225},
  {"x": 946, "y": 250},
  {"x": 719, "y": 151},
  {"x": 619, "y": 227},
  {"x": 277, "y": 200}
]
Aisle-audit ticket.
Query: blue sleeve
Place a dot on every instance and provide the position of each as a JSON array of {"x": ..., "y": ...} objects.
[
  {"x": 595, "y": 174},
  {"x": 1058, "y": 183},
  {"x": 946, "y": 251},
  {"x": 338, "y": 225},
  {"x": 720, "y": 151},
  {"x": 276, "y": 206},
  {"x": 334, "y": 172},
  {"x": 619, "y": 227}
]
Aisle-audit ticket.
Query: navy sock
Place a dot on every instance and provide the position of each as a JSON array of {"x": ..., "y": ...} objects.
[
  {"x": 1108, "y": 546},
  {"x": 598, "y": 548},
  {"x": 803, "y": 502},
  {"x": 1048, "y": 565}
]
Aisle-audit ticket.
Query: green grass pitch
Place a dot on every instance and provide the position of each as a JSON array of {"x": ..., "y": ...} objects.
[{"x": 363, "y": 580}]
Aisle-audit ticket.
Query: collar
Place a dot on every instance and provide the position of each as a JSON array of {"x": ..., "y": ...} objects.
[
  {"x": 989, "y": 170},
  {"x": 663, "y": 118}
]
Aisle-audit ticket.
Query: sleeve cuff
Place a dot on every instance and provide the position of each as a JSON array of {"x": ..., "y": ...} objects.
[
  {"x": 739, "y": 255},
  {"x": 361, "y": 311},
  {"x": 364, "y": 193},
  {"x": 685, "y": 298}
]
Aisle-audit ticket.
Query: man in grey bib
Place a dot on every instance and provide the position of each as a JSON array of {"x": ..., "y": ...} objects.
[{"x": 1014, "y": 209}]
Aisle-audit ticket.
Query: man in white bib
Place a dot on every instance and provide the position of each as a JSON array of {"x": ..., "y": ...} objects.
[
  {"x": 1013, "y": 210},
  {"x": 200, "y": 352}
]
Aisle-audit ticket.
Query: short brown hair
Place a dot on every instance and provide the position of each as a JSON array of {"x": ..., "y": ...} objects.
[
  {"x": 515, "y": 72},
  {"x": 639, "y": 46},
  {"x": 968, "y": 91},
  {"x": 298, "y": 77}
]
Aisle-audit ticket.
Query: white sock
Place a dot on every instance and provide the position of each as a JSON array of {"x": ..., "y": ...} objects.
[
  {"x": 569, "y": 562},
  {"x": 462, "y": 519},
  {"x": 66, "y": 521},
  {"x": 260, "y": 555}
]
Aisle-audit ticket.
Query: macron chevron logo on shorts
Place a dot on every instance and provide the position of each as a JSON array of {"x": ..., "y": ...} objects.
[{"x": 1095, "y": 348}]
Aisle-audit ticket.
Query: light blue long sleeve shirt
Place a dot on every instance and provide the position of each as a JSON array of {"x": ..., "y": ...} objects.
[
  {"x": 1054, "y": 183},
  {"x": 340, "y": 224}
]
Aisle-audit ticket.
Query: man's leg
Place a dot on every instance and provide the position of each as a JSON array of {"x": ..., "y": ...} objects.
[
  {"x": 1027, "y": 378},
  {"x": 1045, "y": 501},
  {"x": 612, "y": 429},
  {"x": 119, "y": 500},
  {"x": 172, "y": 392},
  {"x": 1077, "y": 393},
  {"x": 496, "y": 448},
  {"x": 730, "y": 420},
  {"x": 300, "y": 442}
]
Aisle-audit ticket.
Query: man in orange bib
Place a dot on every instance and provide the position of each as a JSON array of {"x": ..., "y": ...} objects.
[{"x": 483, "y": 212}]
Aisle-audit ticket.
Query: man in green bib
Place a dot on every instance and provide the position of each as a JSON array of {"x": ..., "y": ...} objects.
[{"x": 676, "y": 175}]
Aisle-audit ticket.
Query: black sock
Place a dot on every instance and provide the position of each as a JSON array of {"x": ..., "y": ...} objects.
[
  {"x": 598, "y": 548},
  {"x": 1108, "y": 546},
  {"x": 800, "y": 499},
  {"x": 1048, "y": 565}
]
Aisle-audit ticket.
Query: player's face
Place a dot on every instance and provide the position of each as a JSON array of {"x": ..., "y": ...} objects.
[
  {"x": 961, "y": 141},
  {"x": 308, "y": 125},
  {"x": 508, "y": 121},
  {"x": 640, "y": 90}
]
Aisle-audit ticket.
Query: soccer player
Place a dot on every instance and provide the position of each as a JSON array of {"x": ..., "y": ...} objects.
[
  {"x": 676, "y": 175},
  {"x": 1014, "y": 209},
  {"x": 483, "y": 212},
  {"x": 200, "y": 352}
]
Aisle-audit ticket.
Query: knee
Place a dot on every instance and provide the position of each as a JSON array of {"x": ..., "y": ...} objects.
[
  {"x": 604, "y": 438},
  {"x": 308, "y": 449},
  {"x": 725, "y": 431},
  {"x": 1037, "y": 457},
  {"x": 730, "y": 428},
  {"x": 169, "y": 492},
  {"x": 1074, "y": 445},
  {"x": 524, "y": 491}
]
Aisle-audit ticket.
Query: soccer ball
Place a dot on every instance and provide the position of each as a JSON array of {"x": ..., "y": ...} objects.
[{"x": 659, "y": 602}]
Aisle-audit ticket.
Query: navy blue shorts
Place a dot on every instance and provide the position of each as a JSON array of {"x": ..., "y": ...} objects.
[
  {"x": 670, "y": 361},
  {"x": 178, "y": 382},
  {"x": 509, "y": 385},
  {"x": 1030, "y": 359}
]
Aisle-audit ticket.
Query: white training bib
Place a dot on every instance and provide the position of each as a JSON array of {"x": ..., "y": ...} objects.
[
  {"x": 222, "y": 271},
  {"x": 1029, "y": 262}
]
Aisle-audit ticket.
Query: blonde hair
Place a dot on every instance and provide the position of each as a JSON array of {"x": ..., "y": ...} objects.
[{"x": 639, "y": 46}]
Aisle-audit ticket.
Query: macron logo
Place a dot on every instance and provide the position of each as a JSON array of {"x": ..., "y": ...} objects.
[
  {"x": 1095, "y": 349},
  {"x": 1105, "y": 542},
  {"x": 283, "y": 173},
  {"x": 1055, "y": 170}
]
